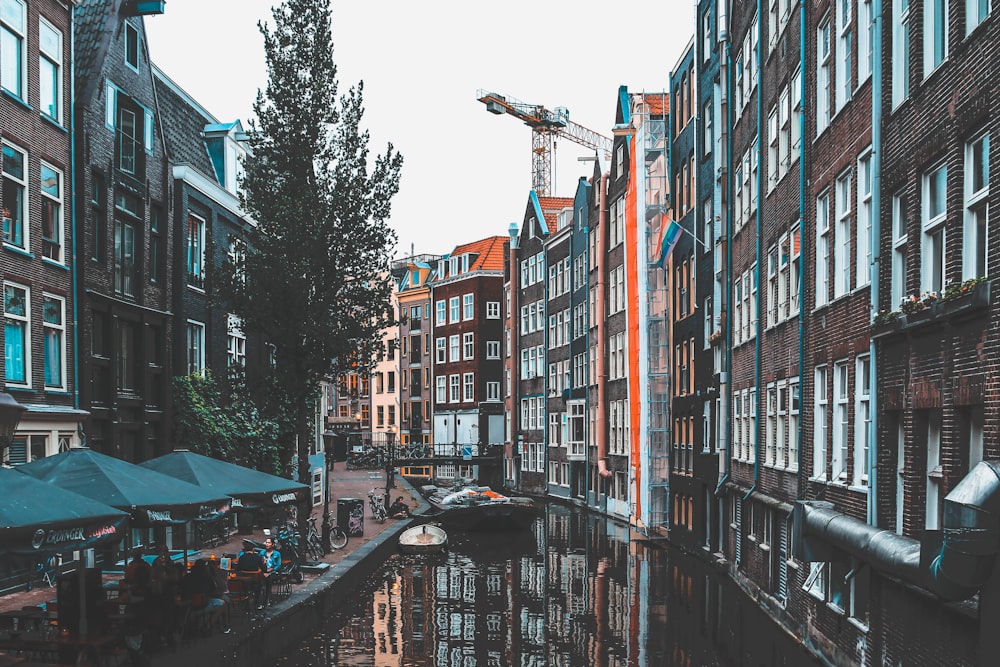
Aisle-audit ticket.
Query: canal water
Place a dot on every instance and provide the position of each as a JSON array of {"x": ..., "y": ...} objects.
[{"x": 573, "y": 590}]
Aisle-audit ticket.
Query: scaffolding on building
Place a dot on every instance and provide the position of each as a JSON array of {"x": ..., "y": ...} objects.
[{"x": 650, "y": 119}]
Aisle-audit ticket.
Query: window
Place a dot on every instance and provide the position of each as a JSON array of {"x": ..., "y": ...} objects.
[
  {"x": 935, "y": 474},
  {"x": 866, "y": 218},
  {"x": 866, "y": 38},
  {"x": 440, "y": 312},
  {"x": 49, "y": 70},
  {"x": 453, "y": 387},
  {"x": 822, "y": 249},
  {"x": 195, "y": 347},
  {"x": 492, "y": 349},
  {"x": 453, "y": 310},
  {"x": 842, "y": 237},
  {"x": 54, "y": 322},
  {"x": 468, "y": 345},
  {"x": 14, "y": 205},
  {"x": 441, "y": 350},
  {"x": 195, "y": 251},
  {"x": 843, "y": 67},
  {"x": 98, "y": 205},
  {"x": 453, "y": 348},
  {"x": 821, "y": 404},
  {"x": 13, "y": 47},
  {"x": 468, "y": 307},
  {"x": 52, "y": 218},
  {"x": 468, "y": 387},
  {"x": 124, "y": 258},
  {"x": 126, "y": 357},
  {"x": 237, "y": 348},
  {"x": 841, "y": 426},
  {"x": 237, "y": 249},
  {"x": 131, "y": 46},
  {"x": 900, "y": 51},
  {"x": 898, "y": 285},
  {"x": 976, "y": 12},
  {"x": 440, "y": 389},
  {"x": 823, "y": 82},
  {"x": 932, "y": 238},
  {"x": 17, "y": 344},
  {"x": 977, "y": 190},
  {"x": 708, "y": 138},
  {"x": 492, "y": 391},
  {"x": 493, "y": 310},
  {"x": 935, "y": 34},
  {"x": 862, "y": 418}
]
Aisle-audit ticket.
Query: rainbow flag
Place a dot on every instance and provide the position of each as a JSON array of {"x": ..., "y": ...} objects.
[{"x": 670, "y": 233}]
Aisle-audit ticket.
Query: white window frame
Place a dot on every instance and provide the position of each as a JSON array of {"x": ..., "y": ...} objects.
[
  {"x": 866, "y": 221},
  {"x": 933, "y": 232},
  {"x": 935, "y": 34},
  {"x": 975, "y": 231},
  {"x": 842, "y": 69},
  {"x": 441, "y": 312},
  {"x": 492, "y": 349},
  {"x": 454, "y": 348},
  {"x": 53, "y": 245},
  {"x": 454, "y": 388},
  {"x": 821, "y": 405},
  {"x": 236, "y": 354},
  {"x": 866, "y": 39},
  {"x": 862, "y": 418},
  {"x": 441, "y": 389},
  {"x": 842, "y": 236},
  {"x": 468, "y": 387},
  {"x": 841, "y": 425},
  {"x": 440, "y": 350},
  {"x": 823, "y": 79},
  {"x": 454, "y": 310},
  {"x": 50, "y": 57},
  {"x": 23, "y": 229},
  {"x": 56, "y": 329},
  {"x": 195, "y": 253},
  {"x": 468, "y": 345},
  {"x": 195, "y": 347},
  {"x": 974, "y": 14},
  {"x": 823, "y": 242},
  {"x": 899, "y": 260},
  {"x": 493, "y": 310},
  {"x": 132, "y": 33},
  {"x": 24, "y": 322},
  {"x": 14, "y": 29},
  {"x": 901, "y": 24},
  {"x": 468, "y": 306}
]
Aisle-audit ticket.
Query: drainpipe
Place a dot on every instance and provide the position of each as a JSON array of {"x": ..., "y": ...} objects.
[
  {"x": 75, "y": 261},
  {"x": 721, "y": 203},
  {"x": 876, "y": 248},
  {"x": 602, "y": 428},
  {"x": 758, "y": 260},
  {"x": 515, "y": 354},
  {"x": 802, "y": 230}
]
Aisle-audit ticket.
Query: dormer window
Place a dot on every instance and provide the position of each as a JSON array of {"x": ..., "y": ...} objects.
[
  {"x": 453, "y": 268},
  {"x": 133, "y": 125}
]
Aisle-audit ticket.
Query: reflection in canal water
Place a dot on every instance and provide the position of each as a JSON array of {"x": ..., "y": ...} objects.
[{"x": 575, "y": 590}]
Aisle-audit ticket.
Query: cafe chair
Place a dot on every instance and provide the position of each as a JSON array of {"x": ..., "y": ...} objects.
[{"x": 240, "y": 596}]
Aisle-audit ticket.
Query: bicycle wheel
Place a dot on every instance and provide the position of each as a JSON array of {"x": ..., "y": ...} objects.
[
  {"x": 315, "y": 547},
  {"x": 338, "y": 538}
]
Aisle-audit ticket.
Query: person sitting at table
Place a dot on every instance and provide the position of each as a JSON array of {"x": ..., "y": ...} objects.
[
  {"x": 161, "y": 610},
  {"x": 199, "y": 583},
  {"x": 137, "y": 575},
  {"x": 250, "y": 562},
  {"x": 398, "y": 509}
]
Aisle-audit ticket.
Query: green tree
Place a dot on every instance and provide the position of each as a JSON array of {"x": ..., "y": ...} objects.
[{"x": 314, "y": 278}]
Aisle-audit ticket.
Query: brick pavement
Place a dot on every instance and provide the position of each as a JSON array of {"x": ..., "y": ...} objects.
[{"x": 343, "y": 484}]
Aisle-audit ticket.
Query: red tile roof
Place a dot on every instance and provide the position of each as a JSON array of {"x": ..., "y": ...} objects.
[
  {"x": 551, "y": 207},
  {"x": 490, "y": 251},
  {"x": 659, "y": 103}
]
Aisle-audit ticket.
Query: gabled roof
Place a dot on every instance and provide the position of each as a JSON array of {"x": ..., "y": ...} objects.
[
  {"x": 658, "y": 103},
  {"x": 95, "y": 22},
  {"x": 550, "y": 208},
  {"x": 489, "y": 253},
  {"x": 184, "y": 121}
]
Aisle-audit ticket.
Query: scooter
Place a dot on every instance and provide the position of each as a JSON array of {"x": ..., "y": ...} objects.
[{"x": 287, "y": 544}]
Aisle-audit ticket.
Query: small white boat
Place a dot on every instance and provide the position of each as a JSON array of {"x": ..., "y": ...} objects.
[{"x": 423, "y": 539}]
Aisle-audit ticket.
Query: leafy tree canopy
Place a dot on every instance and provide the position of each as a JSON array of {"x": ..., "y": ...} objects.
[{"x": 313, "y": 279}]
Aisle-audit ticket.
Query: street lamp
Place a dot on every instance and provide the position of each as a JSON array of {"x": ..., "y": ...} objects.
[
  {"x": 328, "y": 448},
  {"x": 390, "y": 462},
  {"x": 10, "y": 417}
]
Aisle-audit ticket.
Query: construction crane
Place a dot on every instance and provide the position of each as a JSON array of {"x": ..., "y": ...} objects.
[{"x": 545, "y": 126}]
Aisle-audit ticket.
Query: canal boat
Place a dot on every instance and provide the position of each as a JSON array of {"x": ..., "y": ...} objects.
[
  {"x": 427, "y": 538},
  {"x": 479, "y": 508}
]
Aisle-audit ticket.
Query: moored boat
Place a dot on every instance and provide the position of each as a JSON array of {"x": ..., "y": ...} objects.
[
  {"x": 423, "y": 539},
  {"x": 480, "y": 508}
]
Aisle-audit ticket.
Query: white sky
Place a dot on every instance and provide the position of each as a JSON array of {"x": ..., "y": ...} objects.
[{"x": 466, "y": 172}]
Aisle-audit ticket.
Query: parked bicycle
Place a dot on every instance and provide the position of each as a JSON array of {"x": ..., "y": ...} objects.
[
  {"x": 337, "y": 538},
  {"x": 46, "y": 571},
  {"x": 377, "y": 503},
  {"x": 314, "y": 541}
]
